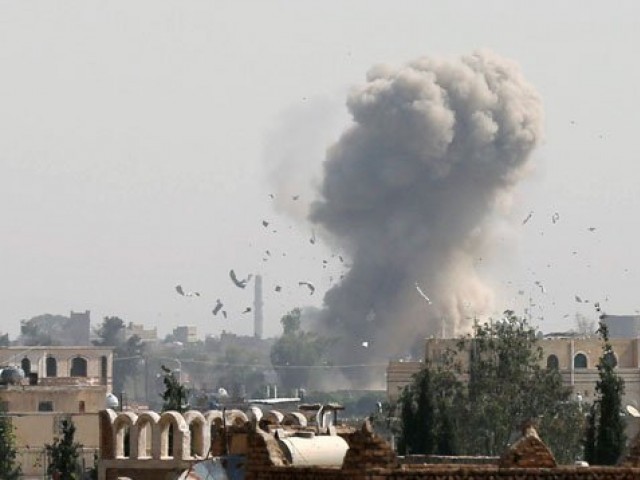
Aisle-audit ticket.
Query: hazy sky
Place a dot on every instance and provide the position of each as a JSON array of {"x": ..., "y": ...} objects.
[{"x": 139, "y": 143}]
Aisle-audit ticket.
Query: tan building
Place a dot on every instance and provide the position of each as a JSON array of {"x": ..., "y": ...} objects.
[
  {"x": 186, "y": 334},
  {"x": 575, "y": 358},
  {"x": 59, "y": 383}
]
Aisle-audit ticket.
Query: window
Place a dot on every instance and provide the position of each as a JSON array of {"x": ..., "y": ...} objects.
[
  {"x": 552, "y": 362},
  {"x": 103, "y": 367},
  {"x": 78, "y": 367},
  {"x": 45, "y": 406},
  {"x": 26, "y": 366},
  {"x": 52, "y": 367},
  {"x": 81, "y": 406},
  {"x": 580, "y": 361}
]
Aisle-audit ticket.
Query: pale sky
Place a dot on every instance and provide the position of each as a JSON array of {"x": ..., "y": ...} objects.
[{"x": 139, "y": 140}]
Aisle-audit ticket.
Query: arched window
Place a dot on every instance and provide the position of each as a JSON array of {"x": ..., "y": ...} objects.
[
  {"x": 580, "y": 361},
  {"x": 26, "y": 366},
  {"x": 104, "y": 363},
  {"x": 552, "y": 362},
  {"x": 78, "y": 367},
  {"x": 52, "y": 367}
]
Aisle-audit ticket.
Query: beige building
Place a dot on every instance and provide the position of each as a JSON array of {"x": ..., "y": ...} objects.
[
  {"x": 575, "y": 357},
  {"x": 186, "y": 334},
  {"x": 59, "y": 383}
]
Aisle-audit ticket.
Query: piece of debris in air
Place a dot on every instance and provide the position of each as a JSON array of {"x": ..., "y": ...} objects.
[
  {"x": 217, "y": 308},
  {"x": 181, "y": 291},
  {"x": 265, "y": 223},
  {"x": 528, "y": 217},
  {"x": 578, "y": 299},
  {"x": 272, "y": 196},
  {"x": 240, "y": 283},
  {"x": 309, "y": 286},
  {"x": 365, "y": 344},
  {"x": 422, "y": 294},
  {"x": 247, "y": 310},
  {"x": 278, "y": 288},
  {"x": 224, "y": 313},
  {"x": 592, "y": 229},
  {"x": 555, "y": 217},
  {"x": 295, "y": 197},
  {"x": 312, "y": 240},
  {"x": 597, "y": 305}
]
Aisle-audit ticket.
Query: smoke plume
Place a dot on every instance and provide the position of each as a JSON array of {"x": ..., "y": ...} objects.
[{"x": 408, "y": 190}]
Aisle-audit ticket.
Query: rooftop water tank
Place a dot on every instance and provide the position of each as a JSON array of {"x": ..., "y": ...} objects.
[
  {"x": 314, "y": 450},
  {"x": 11, "y": 375}
]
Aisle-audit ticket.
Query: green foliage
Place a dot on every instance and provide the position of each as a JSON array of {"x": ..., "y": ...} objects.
[
  {"x": 605, "y": 438},
  {"x": 127, "y": 353},
  {"x": 504, "y": 385},
  {"x": 9, "y": 469},
  {"x": 175, "y": 394},
  {"x": 296, "y": 348},
  {"x": 42, "y": 329},
  {"x": 4, "y": 340},
  {"x": 64, "y": 454}
]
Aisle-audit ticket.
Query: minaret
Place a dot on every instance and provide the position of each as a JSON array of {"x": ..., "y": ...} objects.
[{"x": 257, "y": 308}]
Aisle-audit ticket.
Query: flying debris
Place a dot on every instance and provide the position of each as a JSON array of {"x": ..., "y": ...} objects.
[
  {"x": 268, "y": 253},
  {"x": 217, "y": 308},
  {"x": 312, "y": 240},
  {"x": 578, "y": 299},
  {"x": 597, "y": 306},
  {"x": 247, "y": 310},
  {"x": 278, "y": 288},
  {"x": 528, "y": 217},
  {"x": 309, "y": 286},
  {"x": 520, "y": 292},
  {"x": 422, "y": 294},
  {"x": 555, "y": 217},
  {"x": 539, "y": 284},
  {"x": 181, "y": 291},
  {"x": 272, "y": 196},
  {"x": 592, "y": 229},
  {"x": 365, "y": 344},
  {"x": 265, "y": 223},
  {"x": 239, "y": 283},
  {"x": 295, "y": 197},
  {"x": 340, "y": 258},
  {"x": 224, "y": 313}
]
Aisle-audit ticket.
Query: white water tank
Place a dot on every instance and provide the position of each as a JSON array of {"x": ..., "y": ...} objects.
[
  {"x": 112, "y": 401},
  {"x": 314, "y": 450}
]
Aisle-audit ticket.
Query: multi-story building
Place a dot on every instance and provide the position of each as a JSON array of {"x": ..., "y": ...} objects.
[
  {"x": 573, "y": 355},
  {"x": 186, "y": 334},
  {"x": 59, "y": 383}
]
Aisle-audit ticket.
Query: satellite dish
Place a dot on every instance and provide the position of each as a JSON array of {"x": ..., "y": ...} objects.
[
  {"x": 633, "y": 411},
  {"x": 112, "y": 401}
]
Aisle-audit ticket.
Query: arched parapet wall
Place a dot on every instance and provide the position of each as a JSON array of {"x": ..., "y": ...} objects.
[
  {"x": 274, "y": 417},
  {"x": 200, "y": 434},
  {"x": 141, "y": 441},
  {"x": 123, "y": 421},
  {"x": 294, "y": 419},
  {"x": 181, "y": 437},
  {"x": 236, "y": 418},
  {"x": 107, "y": 434},
  {"x": 214, "y": 418}
]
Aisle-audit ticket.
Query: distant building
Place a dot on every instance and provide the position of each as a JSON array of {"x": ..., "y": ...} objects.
[
  {"x": 574, "y": 357},
  {"x": 72, "y": 330},
  {"x": 146, "y": 335},
  {"x": 185, "y": 334}
]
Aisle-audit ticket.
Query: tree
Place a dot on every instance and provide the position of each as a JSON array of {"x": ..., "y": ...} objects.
[
  {"x": 64, "y": 453},
  {"x": 605, "y": 438},
  {"x": 127, "y": 353},
  {"x": 175, "y": 394},
  {"x": 9, "y": 469},
  {"x": 482, "y": 391},
  {"x": 296, "y": 348},
  {"x": 4, "y": 340}
]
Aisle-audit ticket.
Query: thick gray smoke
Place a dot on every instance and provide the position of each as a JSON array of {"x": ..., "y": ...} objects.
[{"x": 408, "y": 190}]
